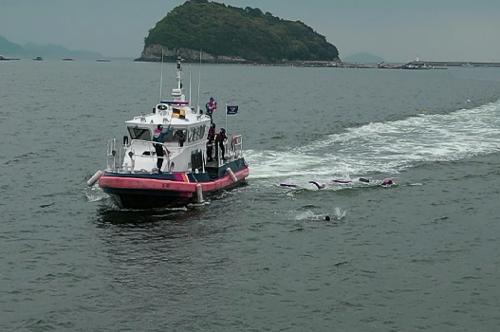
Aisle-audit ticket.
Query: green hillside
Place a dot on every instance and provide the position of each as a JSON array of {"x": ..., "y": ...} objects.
[{"x": 248, "y": 33}]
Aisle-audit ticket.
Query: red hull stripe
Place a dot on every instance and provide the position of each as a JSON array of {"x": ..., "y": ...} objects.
[{"x": 109, "y": 181}]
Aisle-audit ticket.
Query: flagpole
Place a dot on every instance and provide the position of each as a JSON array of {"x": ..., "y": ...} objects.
[{"x": 227, "y": 129}]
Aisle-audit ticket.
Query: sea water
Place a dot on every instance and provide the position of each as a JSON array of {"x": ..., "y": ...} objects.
[{"x": 421, "y": 255}]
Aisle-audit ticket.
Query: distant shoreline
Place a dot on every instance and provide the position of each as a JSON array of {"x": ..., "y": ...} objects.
[
  {"x": 413, "y": 65},
  {"x": 417, "y": 65},
  {"x": 229, "y": 60}
]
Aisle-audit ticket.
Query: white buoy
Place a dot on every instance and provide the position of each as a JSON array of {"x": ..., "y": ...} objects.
[
  {"x": 231, "y": 174},
  {"x": 199, "y": 193},
  {"x": 94, "y": 178}
]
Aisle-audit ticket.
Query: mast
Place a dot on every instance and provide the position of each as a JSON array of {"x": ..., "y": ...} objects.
[
  {"x": 161, "y": 74},
  {"x": 190, "y": 86},
  {"x": 179, "y": 73},
  {"x": 199, "y": 83},
  {"x": 177, "y": 92}
]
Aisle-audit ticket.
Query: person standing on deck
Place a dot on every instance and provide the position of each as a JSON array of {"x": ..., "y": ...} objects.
[
  {"x": 159, "y": 148},
  {"x": 211, "y": 107},
  {"x": 210, "y": 142},
  {"x": 219, "y": 143}
]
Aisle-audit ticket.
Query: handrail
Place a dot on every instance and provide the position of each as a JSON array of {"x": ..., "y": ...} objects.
[
  {"x": 237, "y": 145},
  {"x": 112, "y": 154},
  {"x": 233, "y": 148}
]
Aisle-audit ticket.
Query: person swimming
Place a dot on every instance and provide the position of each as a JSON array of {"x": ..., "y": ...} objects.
[
  {"x": 359, "y": 182},
  {"x": 387, "y": 182},
  {"x": 318, "y": 185}
]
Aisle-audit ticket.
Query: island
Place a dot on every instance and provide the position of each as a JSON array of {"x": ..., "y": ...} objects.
[
  {"x": 34, "y": 51},
  {"x": 220, "y": 33}
]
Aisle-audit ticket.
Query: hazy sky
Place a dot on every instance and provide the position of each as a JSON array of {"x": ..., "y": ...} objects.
[{"x": 396, "y": 30}]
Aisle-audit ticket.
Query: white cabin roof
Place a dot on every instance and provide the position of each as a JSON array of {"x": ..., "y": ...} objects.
[
  {"x": 176, "y": 112},
  {"x": 166, "y": 115}
]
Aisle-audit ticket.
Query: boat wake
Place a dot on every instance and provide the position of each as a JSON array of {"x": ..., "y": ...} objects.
[
  {"x": 298, "y": 185},
  {"x": 336, "y": 215},
  {"x": 386, "y": 147},
  {"x": 95, "y": 194}
]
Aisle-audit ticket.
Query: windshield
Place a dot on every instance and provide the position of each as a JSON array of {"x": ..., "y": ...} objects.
[{"x": 139, "y": 133}]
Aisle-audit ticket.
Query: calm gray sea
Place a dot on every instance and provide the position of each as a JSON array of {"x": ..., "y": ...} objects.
[{"x": 422, "y": 255}]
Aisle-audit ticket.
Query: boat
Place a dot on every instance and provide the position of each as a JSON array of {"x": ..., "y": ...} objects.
[
  {"x": 3, "y": 58},
  {"x": 38, "y": 58},
  {"x": 416, "y": 65},
  {"x": 137, "y": 176}
]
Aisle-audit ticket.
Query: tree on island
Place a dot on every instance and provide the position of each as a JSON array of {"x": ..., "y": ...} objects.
[{"x": 246, "y": 33}]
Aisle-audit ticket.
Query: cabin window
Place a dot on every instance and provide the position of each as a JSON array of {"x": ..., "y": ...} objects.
[
  {"x": 139, "y": 133},
  {"x": 190, "y": 135},
  {"x": 196, "y": 133},
  {"x": 173, "y": 135}
]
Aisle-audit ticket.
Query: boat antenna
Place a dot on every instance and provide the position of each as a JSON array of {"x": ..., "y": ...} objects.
[
  {"x": 190, "y": 78},
  {"x": 199, "y": 83},
  {"x": 161, "y": 73},
  {"x": 179, "y": 72}
]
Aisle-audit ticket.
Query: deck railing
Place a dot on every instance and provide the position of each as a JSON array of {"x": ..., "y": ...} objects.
[
  {"x": 233, "y": 149},
  {"x": 115, "y": 156},
  {"x": 237, "y": 146}
]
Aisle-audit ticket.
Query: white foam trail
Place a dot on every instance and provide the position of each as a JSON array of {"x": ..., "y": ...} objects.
[
  {"x": 387, "y": 147},
  {"x": 338, "y": 214},
  {"x": 307, "y": 215},
  {"x": 95, "y": 194}
]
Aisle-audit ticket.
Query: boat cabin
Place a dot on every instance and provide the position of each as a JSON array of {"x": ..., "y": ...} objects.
[{"x": 183, "y": 136}]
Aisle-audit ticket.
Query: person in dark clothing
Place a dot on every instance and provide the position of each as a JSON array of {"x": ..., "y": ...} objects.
[
  {"x": 210, "y": 142},
  {"x": 219, "y": 143},
  {"x": 181, "y": 138},
  {"x": 211, "y": 132},
  {"x": 160, "y": 153}
]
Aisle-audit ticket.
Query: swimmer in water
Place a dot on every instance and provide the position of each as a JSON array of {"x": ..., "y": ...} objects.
[
  {"x": 387, "y": 182},
  {"x": 318, "y": 185}
]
